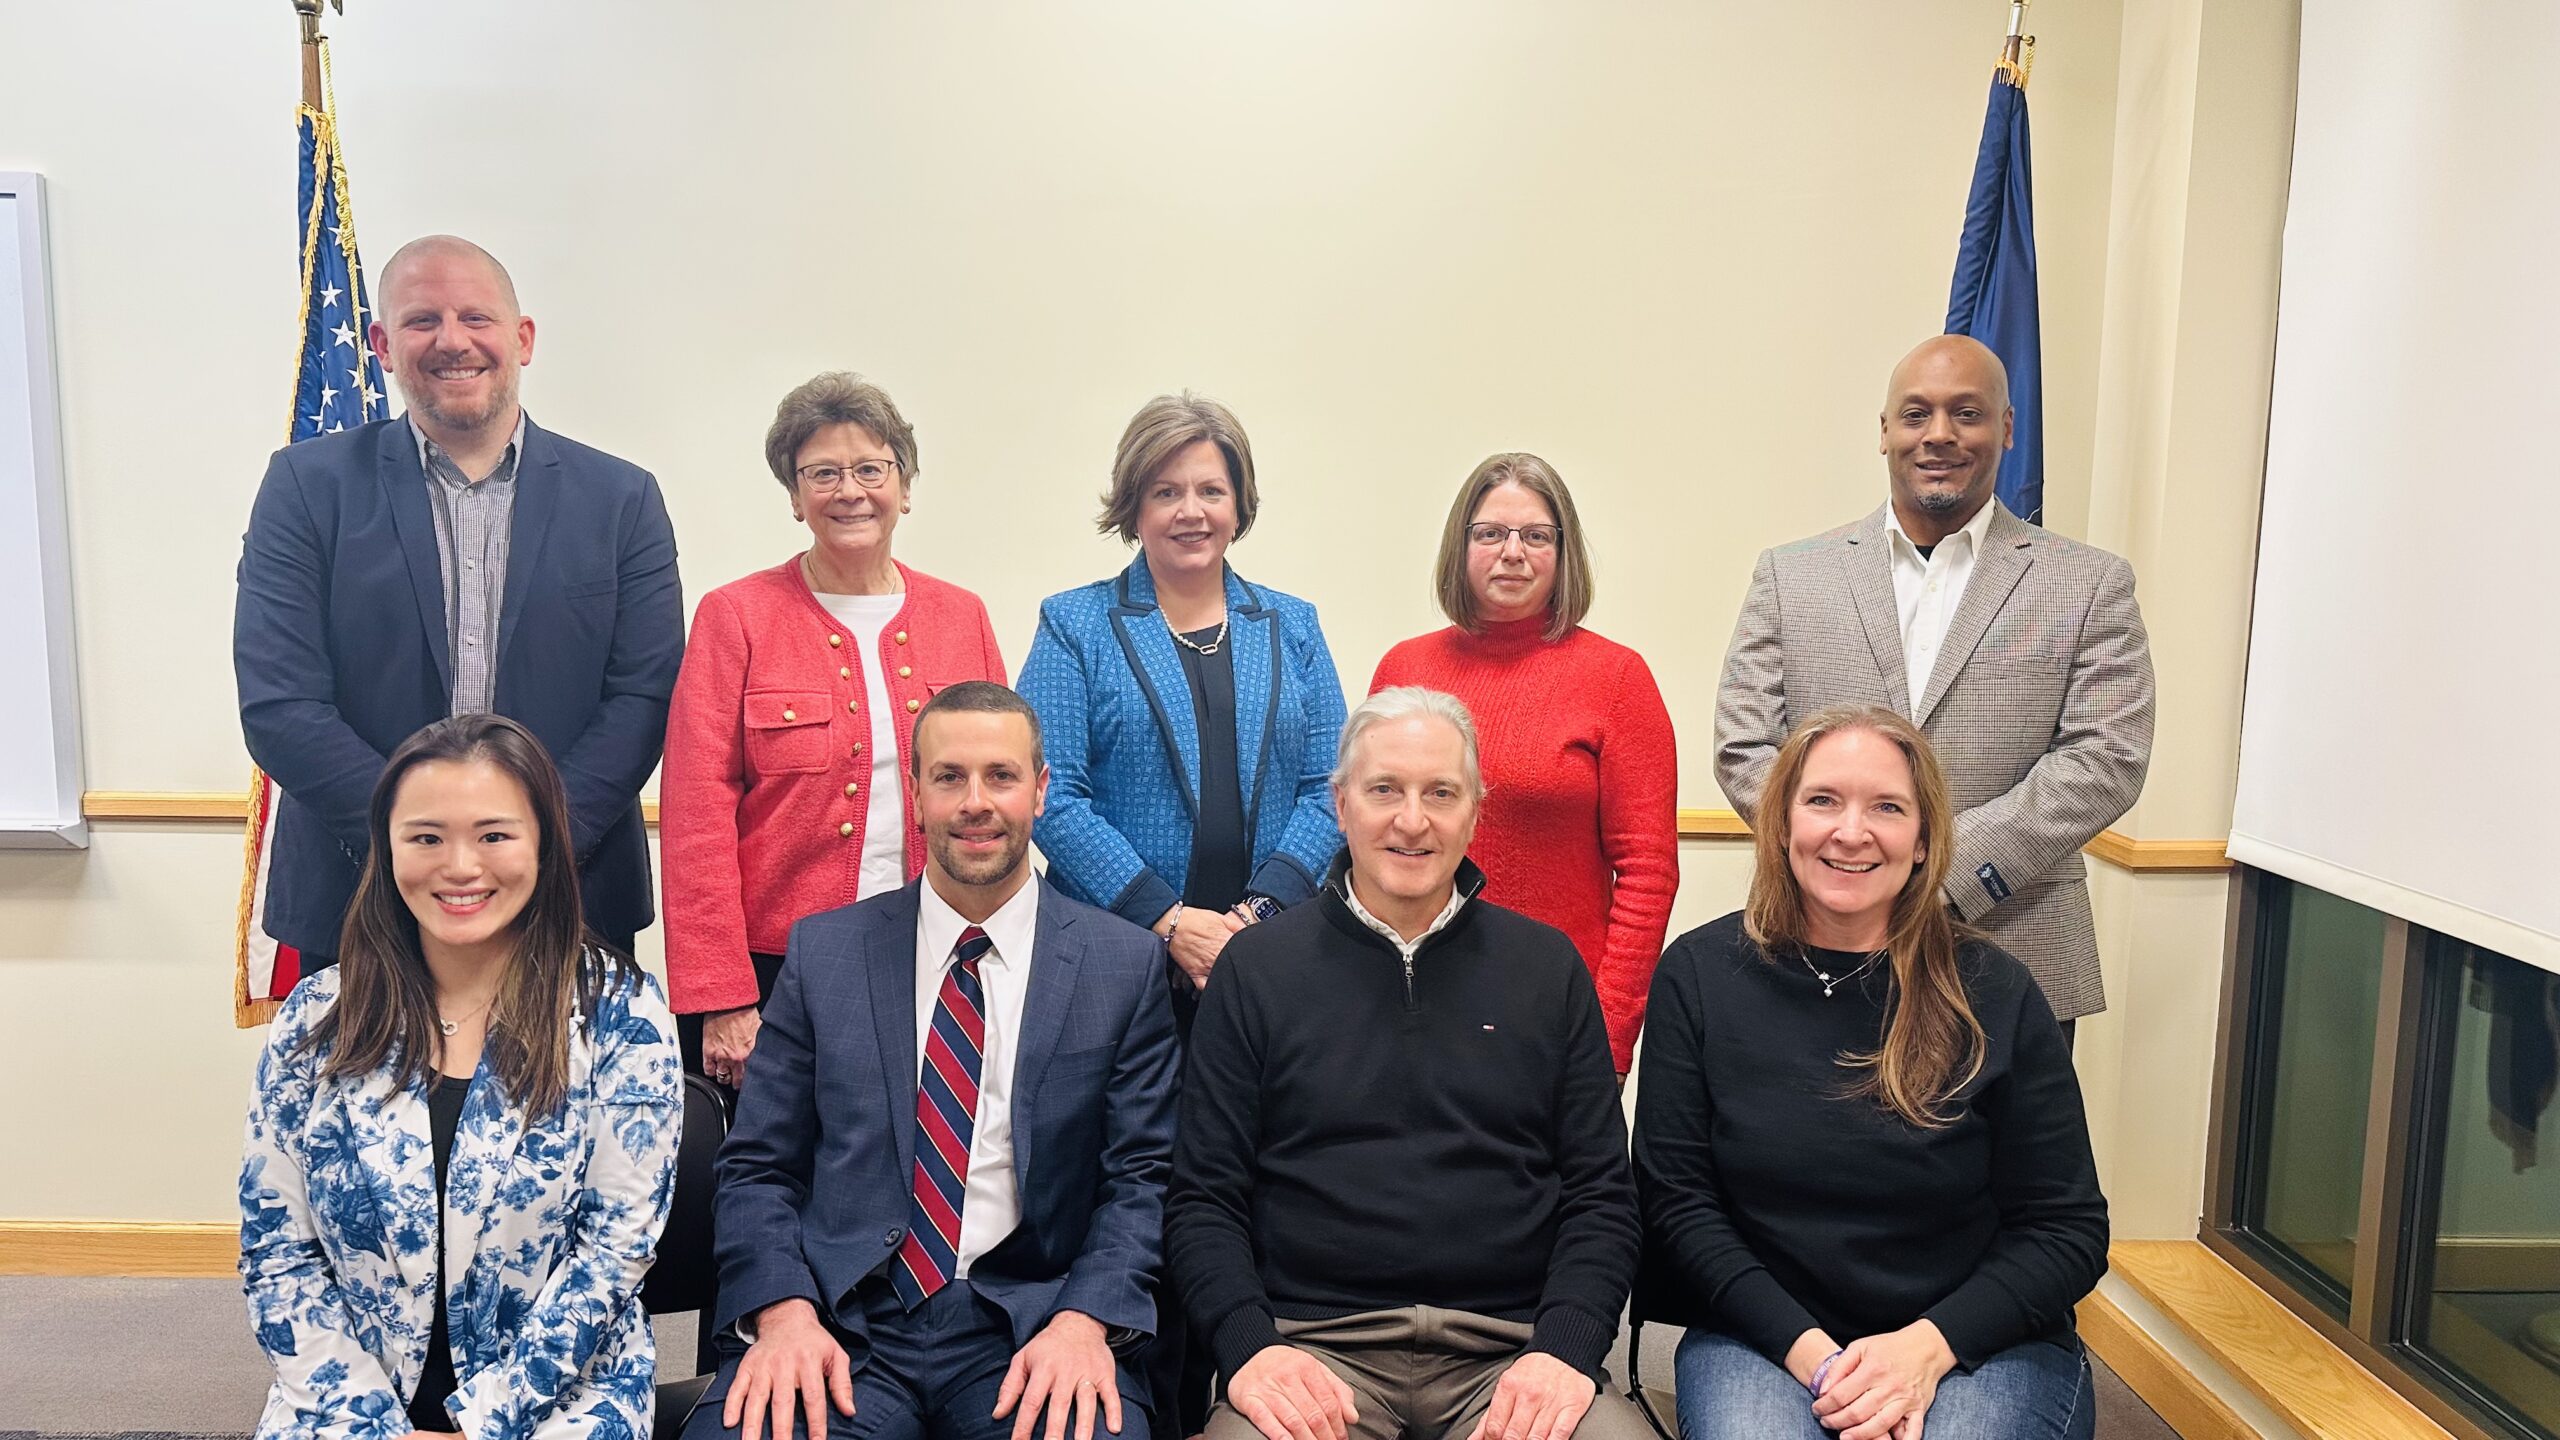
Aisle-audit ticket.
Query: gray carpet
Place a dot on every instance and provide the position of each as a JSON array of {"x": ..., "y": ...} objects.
[{"x": 172, "y": 1360}]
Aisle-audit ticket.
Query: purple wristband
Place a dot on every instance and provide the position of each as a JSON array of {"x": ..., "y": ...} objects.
[{"x": 1821, "y": 1373}]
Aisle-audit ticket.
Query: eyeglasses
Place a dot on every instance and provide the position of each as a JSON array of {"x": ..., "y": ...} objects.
[
  {"x": 827, "y": 479},
  {"x": 1536, "y": 537}
]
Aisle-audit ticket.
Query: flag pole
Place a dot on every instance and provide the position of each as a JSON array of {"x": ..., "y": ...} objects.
[
  {"x": 309, "y": 11},
  {"x": 2017, "y": 52}
]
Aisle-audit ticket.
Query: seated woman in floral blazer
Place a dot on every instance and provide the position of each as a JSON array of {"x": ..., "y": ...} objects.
[{"x": 463, "y": 1136}]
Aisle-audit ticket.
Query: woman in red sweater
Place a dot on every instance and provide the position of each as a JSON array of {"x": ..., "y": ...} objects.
[
  {"x": 1580, "y": 826},
  {"x": 785, "y": 785}
]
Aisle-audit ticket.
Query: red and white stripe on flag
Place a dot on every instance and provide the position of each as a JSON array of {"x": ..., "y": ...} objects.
[{"x": 265, "y": 970}]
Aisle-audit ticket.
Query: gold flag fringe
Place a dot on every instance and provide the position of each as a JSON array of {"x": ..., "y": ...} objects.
[
  {"x": 2016, "y": 71},
  {"x": 248, "y": 1012}
]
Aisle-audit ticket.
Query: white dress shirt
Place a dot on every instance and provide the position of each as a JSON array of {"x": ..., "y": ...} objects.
[
  {"x": 1404, "y": 947},
  {"x": 884, "y": 821},
  {"x": 1927, "y": 589},
  {"x": 989, "y": 1209}
]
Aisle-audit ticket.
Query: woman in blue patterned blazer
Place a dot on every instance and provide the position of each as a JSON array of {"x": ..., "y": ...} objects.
[
  {"x": 463, "y": 1136},
  {"x": 1189, "y": 720},
  {"x": 1190, "y": 717}
]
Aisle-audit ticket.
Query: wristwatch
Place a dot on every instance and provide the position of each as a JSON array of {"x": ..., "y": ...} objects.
[{"x": 1261, "y": 907}]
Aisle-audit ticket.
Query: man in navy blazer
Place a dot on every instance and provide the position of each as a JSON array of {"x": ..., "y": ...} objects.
[
  {"x": 460, "y": 558},
  {"x": 941, "y": 1209}
]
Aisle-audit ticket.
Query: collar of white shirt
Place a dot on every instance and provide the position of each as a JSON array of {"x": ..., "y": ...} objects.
[
  {"x": 1448, "y": 912},
  {"x": 938, "y": 926},
  {"x": 1974, "y": 531}
]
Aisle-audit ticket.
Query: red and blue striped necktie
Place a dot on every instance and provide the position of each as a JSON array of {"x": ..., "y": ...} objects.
[{"x": 946, "y": 1117}]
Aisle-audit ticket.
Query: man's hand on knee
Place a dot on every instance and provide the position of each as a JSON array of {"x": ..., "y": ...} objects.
[
  {"x": 1068, "y": 1368},
  {"x": 1289, "y": 1394},
  {"x": 1538, "y": 1398},
  {"x": 794, "y": 1366}
]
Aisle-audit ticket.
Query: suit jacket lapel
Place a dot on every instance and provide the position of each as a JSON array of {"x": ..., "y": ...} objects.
[
  {"x": 889, "y": 953},
  {"x": 1869, "y": 561},
  {"x": 1254, "y": 632},
  {"x": 485, "y": 1144},
  {"x": 1149, "y": 647},
  {"x": 404, "y": 483},
  {"x": 537, "y": 498},
  {"x": 1056, "y": 956},
  {"x": 2007, "y": 552},
  {"x": 397, "y": 1152}
]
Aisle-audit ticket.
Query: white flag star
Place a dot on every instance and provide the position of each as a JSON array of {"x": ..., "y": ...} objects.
[
  {"x": 344, "y": 336},
  {"x": 371, "y": 395},
  {"x": 329, "y": 297},
  {"x": 334, "y": 429},
  {"x": 326, "y": 395},
  {"x": 356, "y": 377}
]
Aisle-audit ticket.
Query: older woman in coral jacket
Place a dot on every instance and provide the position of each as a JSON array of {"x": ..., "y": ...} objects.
[{"x": 787, "y": 742}]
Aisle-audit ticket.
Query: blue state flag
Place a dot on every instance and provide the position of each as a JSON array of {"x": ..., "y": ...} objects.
[{"x": 1994, "y": 296}]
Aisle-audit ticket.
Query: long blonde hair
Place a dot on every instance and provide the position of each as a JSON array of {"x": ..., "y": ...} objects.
[{"x": 1933, "y": 1045}]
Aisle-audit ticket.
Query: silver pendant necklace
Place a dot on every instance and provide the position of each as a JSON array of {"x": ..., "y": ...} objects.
[
  {"x": 1829, "y": 984},
  {"x": 1190, "y": 644},
  {"x": 451, "y": 1027}
]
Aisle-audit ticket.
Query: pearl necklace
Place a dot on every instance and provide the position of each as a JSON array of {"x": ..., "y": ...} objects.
[
  {"x": 1829, "y": 984},
  {"x": 1190, "y": 644}
]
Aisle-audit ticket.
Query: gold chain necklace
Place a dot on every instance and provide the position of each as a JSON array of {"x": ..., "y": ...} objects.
[{"x": 1829, "y": 984}]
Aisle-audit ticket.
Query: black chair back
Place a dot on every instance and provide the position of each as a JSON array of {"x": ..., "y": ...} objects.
[{"x": 687, "y": 1274}]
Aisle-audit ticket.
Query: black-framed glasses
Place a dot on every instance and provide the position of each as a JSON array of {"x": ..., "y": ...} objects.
[
  {"x": 827, "y": 479},
  {"x": 1488, "y": 535}
]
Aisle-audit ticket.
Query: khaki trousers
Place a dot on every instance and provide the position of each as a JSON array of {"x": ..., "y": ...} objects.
[{"x": 1425, "y": 1374}]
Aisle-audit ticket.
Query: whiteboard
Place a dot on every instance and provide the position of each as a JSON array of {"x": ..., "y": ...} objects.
[{"x": 40, "y": 777}]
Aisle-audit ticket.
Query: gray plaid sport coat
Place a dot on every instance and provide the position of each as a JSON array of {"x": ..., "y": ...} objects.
[{"x": 2039, "y": 704}]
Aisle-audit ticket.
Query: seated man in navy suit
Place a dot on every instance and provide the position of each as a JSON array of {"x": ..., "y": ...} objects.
[
  {"x": 941, "y": 1207},
  {"x": 457, "y": 559}
]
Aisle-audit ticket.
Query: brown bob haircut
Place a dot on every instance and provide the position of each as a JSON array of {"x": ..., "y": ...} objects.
[
  {"x": 1571, "y": 599},
  {"x": 1933, "y": 1045},
  {"x": 386, "y": 1007},
  {"x": 838, "y": 397},
  {"x": 1160, "y": 430}
]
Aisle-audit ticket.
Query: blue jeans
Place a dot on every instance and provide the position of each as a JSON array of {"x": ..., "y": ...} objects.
[{"x": 2038, "y": 1390}]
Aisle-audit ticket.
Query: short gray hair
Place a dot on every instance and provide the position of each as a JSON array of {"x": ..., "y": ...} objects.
[{"x": 1403, "y": 702}]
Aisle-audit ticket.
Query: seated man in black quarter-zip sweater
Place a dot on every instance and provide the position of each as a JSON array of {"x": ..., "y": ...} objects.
[{"x": 1401, "y": 1203}]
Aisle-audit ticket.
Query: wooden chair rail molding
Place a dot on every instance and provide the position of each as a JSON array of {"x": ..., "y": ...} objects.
[
  {"x": 2311, "y": 1384},
  {"x": 2121, "y": 851}
]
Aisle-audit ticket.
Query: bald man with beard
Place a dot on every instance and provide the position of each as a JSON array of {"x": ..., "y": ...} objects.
[
  {"x": 2020, "y": 653},
  {"x": 458, "y": 558}
]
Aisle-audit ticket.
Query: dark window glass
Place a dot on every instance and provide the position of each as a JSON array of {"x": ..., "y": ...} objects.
[
  {"x": 2319, "y": 985},
  {"x": 2484, "y": 1299}
]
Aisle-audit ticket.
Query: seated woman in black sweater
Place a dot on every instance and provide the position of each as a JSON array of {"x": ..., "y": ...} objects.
[{"x": 1859, "y": 1145}]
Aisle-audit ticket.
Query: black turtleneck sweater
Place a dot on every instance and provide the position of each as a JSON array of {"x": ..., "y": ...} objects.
[
  {"x": 1356, "y": 1136},
  {"x": 1774, "y": 1204}
]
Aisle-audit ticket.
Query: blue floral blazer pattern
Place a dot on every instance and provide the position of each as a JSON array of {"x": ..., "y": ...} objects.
[{"x": 555, "y": 1222}]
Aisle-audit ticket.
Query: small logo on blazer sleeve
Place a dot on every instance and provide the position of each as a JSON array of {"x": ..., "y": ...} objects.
[{"x": 1989, "y": 875}]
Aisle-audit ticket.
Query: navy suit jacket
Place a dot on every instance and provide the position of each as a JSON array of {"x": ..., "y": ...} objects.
[
  {"x": 818, "y": 1172},
  {"x": 341, "y": 650}
]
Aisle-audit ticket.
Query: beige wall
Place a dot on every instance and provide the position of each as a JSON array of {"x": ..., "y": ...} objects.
[{"x": 1674, "y": 248}]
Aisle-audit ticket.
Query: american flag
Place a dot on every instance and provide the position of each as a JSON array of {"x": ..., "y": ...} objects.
[{"x": 337, "y": 383}]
